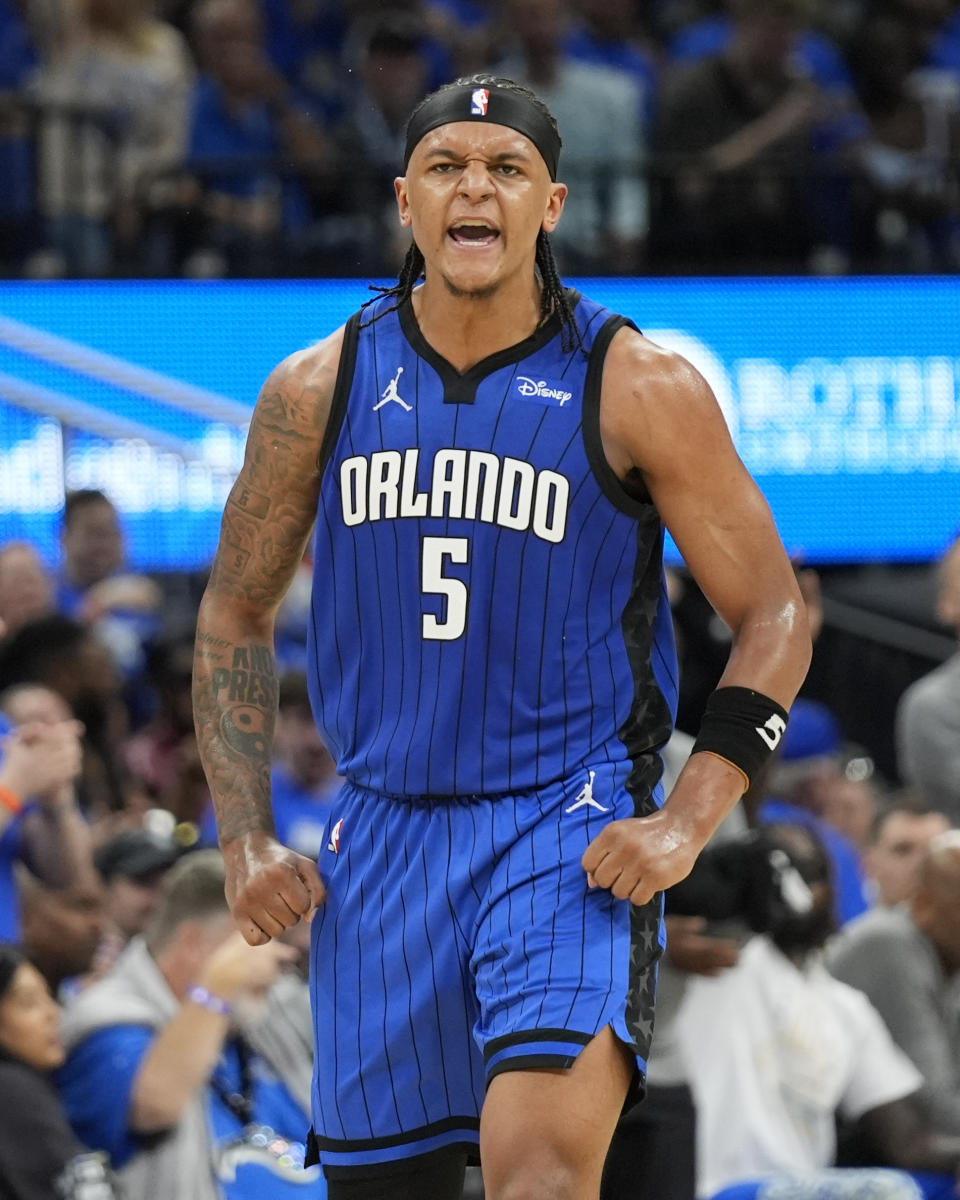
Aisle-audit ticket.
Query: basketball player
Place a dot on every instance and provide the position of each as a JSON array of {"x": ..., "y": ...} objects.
[{"x": 490, "y": 459}]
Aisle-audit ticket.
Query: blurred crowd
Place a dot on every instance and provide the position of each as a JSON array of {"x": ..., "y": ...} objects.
[
  {"x": 146, "y": 1050},
  {"x": 183, "y": 1040},
  {"x": 261, "y": 137}
]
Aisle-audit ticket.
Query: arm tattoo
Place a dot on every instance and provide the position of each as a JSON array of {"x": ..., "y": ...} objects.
[
  {"x": 254, "y": 503},
  {"x": 266, "y": 523},
  {"x": 235, "y": 712},
  {"x": 208, "y": 640}
]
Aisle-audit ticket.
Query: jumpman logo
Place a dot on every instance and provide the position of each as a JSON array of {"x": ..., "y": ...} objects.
[
  {"x": 390, "y": 393},
  {"x": 585, "y": 799}
]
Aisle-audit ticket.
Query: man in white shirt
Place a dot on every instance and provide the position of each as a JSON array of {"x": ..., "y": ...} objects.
[{"x": 776, "y": 1048}]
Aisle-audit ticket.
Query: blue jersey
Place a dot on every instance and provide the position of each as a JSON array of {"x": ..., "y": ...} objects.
[{"x": 488, "y": 607}]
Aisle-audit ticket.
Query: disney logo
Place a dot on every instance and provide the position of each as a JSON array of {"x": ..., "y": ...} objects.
[{"x": 539, "y": 387}]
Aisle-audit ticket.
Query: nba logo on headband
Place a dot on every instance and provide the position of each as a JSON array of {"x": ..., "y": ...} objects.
[{"x": 500, "y": 101}]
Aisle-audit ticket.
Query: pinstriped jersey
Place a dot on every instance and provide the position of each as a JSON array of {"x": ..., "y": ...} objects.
[{"x": 488, "y": 608}]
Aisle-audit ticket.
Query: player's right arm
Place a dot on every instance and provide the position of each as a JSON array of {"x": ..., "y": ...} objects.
[{"x": 266, "y": 524}]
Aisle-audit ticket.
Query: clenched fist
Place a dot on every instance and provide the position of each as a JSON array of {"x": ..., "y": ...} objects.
[
  {"x": 269, "y": 887},
  {"x": 639, "y": 856}
]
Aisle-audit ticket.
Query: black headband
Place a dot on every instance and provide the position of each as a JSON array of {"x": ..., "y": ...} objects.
[{"x": 496, "y": 106}]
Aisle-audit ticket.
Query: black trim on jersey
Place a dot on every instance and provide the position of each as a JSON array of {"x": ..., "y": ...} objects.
[
  {"x": 421, "y": 1133},
  {"x": 397, "y": 1168},
  {"x": 649, "y": 724},
  {"x": 461, "y": 388},
  {"x": 532, "y": 1062},
  {"x": 610, "y": 485},
  {"x": 341, "y": 389},
  {"x": 534, "y": 1035}
]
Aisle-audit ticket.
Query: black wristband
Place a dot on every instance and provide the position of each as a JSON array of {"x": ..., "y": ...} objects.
[{"x": 741, "y": 726}]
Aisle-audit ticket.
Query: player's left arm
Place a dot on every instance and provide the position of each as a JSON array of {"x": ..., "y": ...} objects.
[{"x": 662, "y": 428}]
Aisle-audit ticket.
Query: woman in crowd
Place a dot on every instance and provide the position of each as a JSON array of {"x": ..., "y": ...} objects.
[{"x": 40, "y": 1157}]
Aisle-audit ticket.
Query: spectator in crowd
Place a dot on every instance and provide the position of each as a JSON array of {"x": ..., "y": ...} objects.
[
  {"x": 304, "y": 775},
  {"x": 55, "y": 828},
  {"x": 26, "y": 586},
  {"x": 60, "y": 929},
  {"x": 94, "y": 585},
  {"x": 848, "y": 798},
  {"x": 40, "y": 1155},
  {"x": 394, "y": 71},
  {"x": 93, "y": 549},
  {"x": 159, "y": 1073},
  {"x": 604, "y": 223},
  {"x": 907, "y": 961},
  {"x": 944, "y": 43},
  {"x": 712, "y": 35},
  {"x": 775, "y": 1047},
  {"x": 132, "y": 865},
  {"x": 933, "y": 20},
  {"x": 116, "y": 94},
  {"x": 18, "y": 63},
  {"x": 160, "y": 753},
  {"x": 671, "y": 16},
  {"x": 471, "y": 28},
  {"x": 607, "y": 34},
  {"x": 317, "y": 44},
  {"x": 56, "y": 909},
  {"x": 747, "y": 139},
  {"x": 810, "y": 763},
  {"x": 40, "y": 824},
  {"x": 304, "y": 40},
  {"x": 911, "y": 215},
  {"x": 902, "y": 831},
  {"x": 928, "y": 713},
  {"x": 252, "y": 138},
  {"x": 71, "y": 660},
  {"x": 441, "y": 33}
]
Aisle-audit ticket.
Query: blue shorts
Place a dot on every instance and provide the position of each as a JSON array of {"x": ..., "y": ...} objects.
[{"x": 459, "y": 939}]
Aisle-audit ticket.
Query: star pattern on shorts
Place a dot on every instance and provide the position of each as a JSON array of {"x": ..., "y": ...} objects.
[{"x": 645, "y": 950}]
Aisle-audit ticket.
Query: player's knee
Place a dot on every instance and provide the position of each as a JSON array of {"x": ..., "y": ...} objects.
[{"x": 537, "y": 1179}]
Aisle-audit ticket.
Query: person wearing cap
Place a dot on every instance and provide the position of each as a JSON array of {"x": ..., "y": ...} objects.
[
  {"x": 489, "y": 459},
  {"x": 132, "y": 865},
  {"x": 808, "y": 764}
]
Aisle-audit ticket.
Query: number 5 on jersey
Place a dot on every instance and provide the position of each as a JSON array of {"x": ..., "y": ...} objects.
[{"x": 435, "y": 551}]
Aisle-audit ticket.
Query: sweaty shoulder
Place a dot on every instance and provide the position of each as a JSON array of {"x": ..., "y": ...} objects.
[{"x": 649, "y": 397}]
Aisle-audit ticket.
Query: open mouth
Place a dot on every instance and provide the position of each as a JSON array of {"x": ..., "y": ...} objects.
[{"x": 473, "y": 233}]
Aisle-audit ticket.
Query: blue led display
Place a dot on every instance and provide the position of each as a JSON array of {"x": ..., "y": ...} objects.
[{"x": 843, "y": 397}]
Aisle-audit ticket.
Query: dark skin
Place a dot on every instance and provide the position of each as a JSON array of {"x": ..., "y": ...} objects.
[
  {"x": 544, "y": 1134},
  {"x": 897, "y": 1135}
]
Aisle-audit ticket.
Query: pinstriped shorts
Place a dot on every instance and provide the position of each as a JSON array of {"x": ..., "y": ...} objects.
[{"x": 459, "y": 939}]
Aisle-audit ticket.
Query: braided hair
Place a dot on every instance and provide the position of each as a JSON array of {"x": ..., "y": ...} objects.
[{"x": 553, "y": 297}]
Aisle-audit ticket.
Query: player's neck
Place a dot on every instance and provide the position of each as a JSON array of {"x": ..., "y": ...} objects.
[{"x": 465, "y": 329}]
